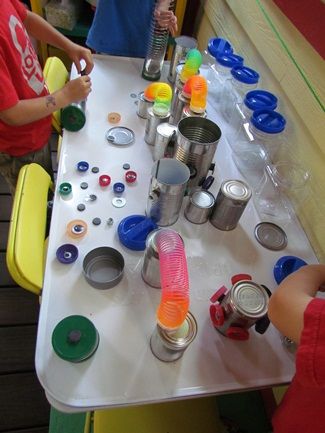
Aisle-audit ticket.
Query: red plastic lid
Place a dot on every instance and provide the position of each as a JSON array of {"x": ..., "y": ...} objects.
[
  {"x": 217, "y": 315},
  {"x": 104, "y": 180},
  {"x": 240, "y": 277},
  {"x": 218, "y": 294},
  {"x": 237, "y": 333},
  {"x": 130, "y": 176}
]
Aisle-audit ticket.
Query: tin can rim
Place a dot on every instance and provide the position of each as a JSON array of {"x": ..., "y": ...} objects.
[
  {"x": 179, "y": 343},
  {"x": 253, "y": 313}
]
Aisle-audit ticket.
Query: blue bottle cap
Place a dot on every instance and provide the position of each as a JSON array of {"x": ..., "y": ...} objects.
[
  {"x": 285, "y": 266},
  {"x": 218, "y": 46},
  {"x": 230, "y": 60},
  {"x": 118, "y": 188},
  {"x": 245, "y": 75},
  {"x": 67, "y": 253},
  {"x": 259, "y": 99},
  {"x": 133, "y": 231},
  {"x": 82, "y": 166},
  {"x": 268, "y": 121}
]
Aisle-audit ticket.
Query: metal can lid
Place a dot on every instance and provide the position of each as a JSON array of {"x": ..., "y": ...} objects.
[
  {"x": 180, "y": 338},
  {"x": 202, "y": 199},
  {"x": 166, "y": 129},
  {"x": 236, "y": 190},
  {"x": 75, "y": 338},
  {"x": 120, "y": 136},
  {"x": 271, "y": 236},
  {"x": 249, "y": 298}
]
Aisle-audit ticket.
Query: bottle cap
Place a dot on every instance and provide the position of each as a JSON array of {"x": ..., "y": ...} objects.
[
  {"x": 245, "y": 75},
  {"x": 65, "y": 188},
  {"x": 268, "y": 121},
  {"x": 67, "y": 253},
  {"x": 82, "y": 166},
  {"x": 219, "y": 46},
  {"x": 260, "y": 99},
  {"x": 285, "y": 266},
  {"x": 230, "y": 60}
]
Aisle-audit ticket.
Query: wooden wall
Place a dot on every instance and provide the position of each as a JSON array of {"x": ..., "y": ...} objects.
[{"x": 260, "y": 41}]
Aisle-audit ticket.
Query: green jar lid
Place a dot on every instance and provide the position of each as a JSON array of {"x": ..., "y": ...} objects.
[
  {"x": 73, "y": 117},
  {"x": 75, "y": 338}
]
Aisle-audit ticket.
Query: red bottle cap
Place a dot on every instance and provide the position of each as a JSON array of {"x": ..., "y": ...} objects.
[
  {"x": 130, "y": 176},
  {"x": 104, "y": 180}
]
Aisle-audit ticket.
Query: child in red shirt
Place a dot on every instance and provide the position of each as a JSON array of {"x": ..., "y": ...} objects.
[
  {"x": 295, "y": 311},
  {"x": 25, "y": 103}
]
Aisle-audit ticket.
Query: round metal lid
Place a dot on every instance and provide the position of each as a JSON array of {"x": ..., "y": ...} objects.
[
  {"x": 250, "y": 299},
  {"x": 75, "y": 338},
  {"x": 236, "y": 190},
  {"x": 271, "y": 236},
  {"x": 202, "y": 199},
  {"x": 120, "y": 136},
  {"x": 182, "y": 336}
]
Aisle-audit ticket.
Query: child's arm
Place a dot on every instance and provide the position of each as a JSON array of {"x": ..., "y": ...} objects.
[
  {"x": 30, "y": 110},
  {"x": 43, "y": 31},
  {"x": 287, "y": 305}
]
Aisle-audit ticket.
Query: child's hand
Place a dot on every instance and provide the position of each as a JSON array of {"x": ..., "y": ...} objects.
[
  {"x": 77, "y": 89},
  {"x": 166, "y": 19},
  {"x": 77, "y": 53}
]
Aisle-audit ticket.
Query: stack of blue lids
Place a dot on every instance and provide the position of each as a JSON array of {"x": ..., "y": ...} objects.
[{"x": 219, "y": 46}]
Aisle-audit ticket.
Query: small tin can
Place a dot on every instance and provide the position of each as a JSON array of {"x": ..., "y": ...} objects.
[
  {"x": 169, "y": 346},
  {"x": 187, "y": 112},
  {"x": 230, "y": 203},
  {"x": 165, "y": 132},
  {"x": 243, "y": 305},
  {"x": 178, "y": 105},
  {"x": 143, "y": 105},
  {"x": 153, "y": 120},
  {"x": 150, "y": 268},
  {"x": 199, "y": 206}
]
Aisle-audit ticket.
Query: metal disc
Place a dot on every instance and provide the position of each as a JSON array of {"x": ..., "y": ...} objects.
[
  {"x": 120, "y": 136},
  {"x": 271, "y": 236}
]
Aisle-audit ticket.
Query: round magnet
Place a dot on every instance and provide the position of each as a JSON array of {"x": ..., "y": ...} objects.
[
  {"x": 271, "y": 236},
  {"x": 84, "y": 185},
  {"x": 118, "y": 188},
  {"x": 130, "y": 176},
  {"x": 104, "y": 180},
  {"x": 110, "y": 221},
  {"x": 91, "y": 197},
  {"x": 67, "y": 253},
  {"x": 75, "y": 338},
  {"x": 81, "y": 207},
  {"x": 118, "y": 202},
  {"x": 82, "y": 166},
  {"x": 65, "y": 188},
  {"x": 95, "y": 170},
  {"x": 120, "y": 136},
  {"x": 114, "y": 117},
  {"x": 97, "y": 221},
  {"x": 126, "y": 166}
]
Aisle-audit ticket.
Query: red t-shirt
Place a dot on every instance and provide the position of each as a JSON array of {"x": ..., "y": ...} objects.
[
  {"x": 303, "y": 406},
  {"x": 21, "y": 77}
]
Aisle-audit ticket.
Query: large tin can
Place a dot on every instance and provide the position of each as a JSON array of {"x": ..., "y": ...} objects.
[
  {"x": 242, "y": 306},
  {"x": 231, "y": 201},
  {"x": 153, "y": 120},
  {"x": 170, "y": 345}
]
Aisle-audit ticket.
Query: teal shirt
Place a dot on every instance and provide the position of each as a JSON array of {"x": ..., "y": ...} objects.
[{"x": 121, "y": 27}]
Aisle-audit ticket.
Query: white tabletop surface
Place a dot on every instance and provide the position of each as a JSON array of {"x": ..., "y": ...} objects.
[{"x": 123, "y": 370}]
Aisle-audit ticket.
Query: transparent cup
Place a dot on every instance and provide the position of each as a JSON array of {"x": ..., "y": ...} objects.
[{"x": 281, "y": 190}]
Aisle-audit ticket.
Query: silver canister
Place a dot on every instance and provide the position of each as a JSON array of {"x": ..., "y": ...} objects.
[
  {"x": 199, "y": 206},
  {"x": 230, "y": 203},
  {"x": 182, "y": 46},
  {"x": 197, "y": 140},
  {"x": 177, "y": 107},
  {"x": 153, "y": 120},
  {"x": 187, "y": 112},
  {"x": 165, "y": 133},
  {"x": 143, "y": 105},
  {"x": 169, "y": 346},
  {"x": 243, "y": 305},
  {"x": 178, "y": 87},
  {"x": 167, "y": 187}
]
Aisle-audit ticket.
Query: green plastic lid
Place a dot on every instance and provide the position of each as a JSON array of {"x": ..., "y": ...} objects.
[
  {"x": 75, "y": 338},
  {"x": 73, "y": 117}
]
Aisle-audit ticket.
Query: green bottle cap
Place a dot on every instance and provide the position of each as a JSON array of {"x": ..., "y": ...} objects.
[
  {"x": 75, "y": 338},
  {"x": 73, "y": 117},
  {"x": 65, "y": 188}
]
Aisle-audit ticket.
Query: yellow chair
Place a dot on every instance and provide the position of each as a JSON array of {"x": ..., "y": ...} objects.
[
  {"x": 26, "y": 247},
  {"x": 56, "y": 75},
  {"x": 181, "y": 416}
]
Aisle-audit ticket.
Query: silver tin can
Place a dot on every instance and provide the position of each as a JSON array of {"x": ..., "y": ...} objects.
[
  {"x": 177, "y": 108},
  {"x": 182, "y": 46},
  {"x": 199, "y": 206},
  {"x": 150, "y": 271},
  {"x": 243, "y": 305},
  {"x": 164, "y": 134},
  {"x": 143, "y": 105},
  {"x": 231, "y": 201},
  {"x": 197, "y": 140},
  {"x": 153, "y": 120},
  {"x": 169, "y": 346},
  {"x": 187, "y": 112}
]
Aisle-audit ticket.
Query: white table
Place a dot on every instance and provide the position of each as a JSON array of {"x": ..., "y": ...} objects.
[{"x": 124, "y": 371}]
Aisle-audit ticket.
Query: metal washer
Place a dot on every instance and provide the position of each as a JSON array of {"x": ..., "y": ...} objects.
[
  {"x": 271, "y": 236},
  {"x": 118, "y": 202}
]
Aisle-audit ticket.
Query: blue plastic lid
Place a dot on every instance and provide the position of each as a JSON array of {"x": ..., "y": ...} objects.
[
  {"x": 285, "y": 266},
  {"x": 230, "y": 60},
  {"x": 133, "y": 231},
  {"x": 82, "y": 166},
  {"x": 259, "y": 99},
  {"x": 118, "y": 187},
  {"x": 268, "y": 121},
  {"x": 217, "y": 46},
  {"x": 67, "y": 253},
  {"x": 245, "y": 75}
]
